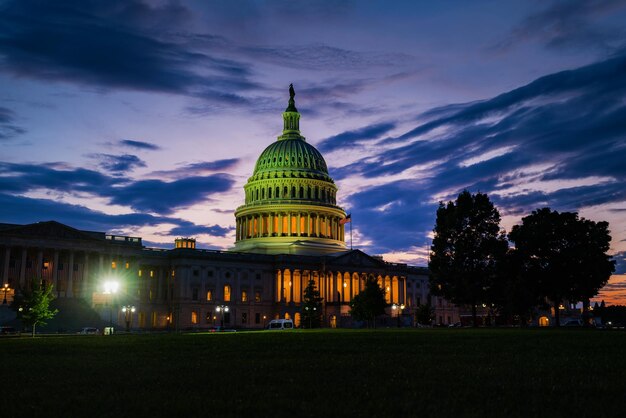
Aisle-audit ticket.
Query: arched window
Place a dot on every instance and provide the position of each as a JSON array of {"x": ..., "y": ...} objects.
[
  {"x": 244, "y": 296},
  {"x": 269, "y": 193},
  {"x": 293, "y": 192},
  {"x": 301, "y": 192},
  {"x": 209, "y": 295},
  {"x": 277, "y": 192},
  {"x": 262, "y": 193}
]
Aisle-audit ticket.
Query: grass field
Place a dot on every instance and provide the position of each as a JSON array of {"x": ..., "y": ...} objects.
[{"x": 330, "y": 373}]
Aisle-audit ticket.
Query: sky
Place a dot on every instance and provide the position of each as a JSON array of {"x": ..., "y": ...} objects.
[{"x": 145, "y": 118}]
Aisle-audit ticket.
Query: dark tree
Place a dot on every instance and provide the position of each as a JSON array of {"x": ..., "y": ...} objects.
[
  {"x": 563, "y": 256},
  {"x": 369, "y": 303},
  {"x": 33, "y": 304},
  {"x": 424, "y": 314},
  {"x": 466, "y": 250},
  {"x": 513, "y": 295},
  {"x": 311, "y": 306}
]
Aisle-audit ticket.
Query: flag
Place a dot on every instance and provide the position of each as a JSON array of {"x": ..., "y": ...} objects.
[{"x": 346, "y": 220}]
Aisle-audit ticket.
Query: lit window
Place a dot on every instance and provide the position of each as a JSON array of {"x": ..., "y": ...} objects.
[
  {"x": 113, "y": 264},
  {"x": 194, "y": 317},
  {"x": 139, "y": 273},
  {"x": 173, "y": 273},
  {"x": 151, "y": 273},
  {"x": 244, "y": 296},
  {"x": 257, "y": 296},
  {"x": 127, "y": 266},
  {"x": 227, "y": 293},
  {"x": 209, "y": 295}
]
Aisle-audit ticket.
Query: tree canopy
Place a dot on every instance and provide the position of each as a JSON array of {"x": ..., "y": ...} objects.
[
  {"x": 563, "y": 257},
  {"x": 33, "y": 304},
  {"x": 467, "y": 246},
  {"x": 369, "y": 303},
  {"x": 311, "y": 306}
]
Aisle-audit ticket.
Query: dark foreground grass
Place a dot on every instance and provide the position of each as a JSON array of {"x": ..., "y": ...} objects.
[{"x": 330, "y": 373}]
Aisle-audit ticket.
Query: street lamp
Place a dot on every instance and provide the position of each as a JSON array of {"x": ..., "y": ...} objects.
[
  {"x": 398, "y": 308},
  {"x": 221, "y": 309},
  {"x": 128, "y": 315},
  {"x": 310, "y": 315},
  {"x": 110, "y": 288},
  {"x": 6, "y": 289}
]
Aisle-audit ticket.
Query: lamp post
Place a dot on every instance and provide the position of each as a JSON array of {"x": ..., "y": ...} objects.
[
  {"x": 310, "y": 314},
  {"x": 5, "y": 289},
  {"x": 110, "y": 288},
  {"x": 128, "y": 315},
  {"x": 264, "y": 318},
  {"x": 221, "y": 309},
  {"x": 399, "y": 309}
]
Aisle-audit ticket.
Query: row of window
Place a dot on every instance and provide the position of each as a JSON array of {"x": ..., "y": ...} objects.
[
  {"x": 195, "y": 293},
  {"x": 326, "y": 195}
]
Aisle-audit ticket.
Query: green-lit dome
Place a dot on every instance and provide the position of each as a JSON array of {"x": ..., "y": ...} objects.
[
  {"x": 290, "y": 204},
  {"x": 291, "y": 154}
]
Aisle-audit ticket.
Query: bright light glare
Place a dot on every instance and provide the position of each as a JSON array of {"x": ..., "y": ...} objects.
[{"x": 111, "y": 286}]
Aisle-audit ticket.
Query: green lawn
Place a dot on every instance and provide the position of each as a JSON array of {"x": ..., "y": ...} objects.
[{"x": 328, "y": 373}]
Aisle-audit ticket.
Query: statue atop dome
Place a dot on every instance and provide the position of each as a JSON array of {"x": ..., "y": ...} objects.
[{"x": 292, "y": 103}]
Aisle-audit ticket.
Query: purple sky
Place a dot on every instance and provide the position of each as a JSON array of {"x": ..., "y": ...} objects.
[{"x": 146, "y": 118}]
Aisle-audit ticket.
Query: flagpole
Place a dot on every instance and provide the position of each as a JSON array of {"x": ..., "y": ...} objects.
[{"x": 351, "y": 232}]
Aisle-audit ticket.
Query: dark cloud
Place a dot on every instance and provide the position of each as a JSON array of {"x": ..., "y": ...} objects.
[
  {"x": 166, "y": 197},
  {"x": 571, "y": 123},
  {"x": 139, "y": 145},
  {"x": 118, "y": 164},
  {"x": 155, "y": 196},
  {"x": 8, "y": 129},
  {"x": 350, "y": 139},
  {"x": 24, "y": 210},
  {"x": 115, "y": 44},
  {"x": 198, "y": 168},
  {"x": 569, "y": 24}
]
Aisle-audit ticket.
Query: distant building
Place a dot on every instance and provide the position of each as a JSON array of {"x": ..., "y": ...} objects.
[{"x": 288, "y": 231}]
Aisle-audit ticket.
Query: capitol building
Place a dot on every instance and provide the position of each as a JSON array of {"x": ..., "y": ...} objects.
[{"x": 289, "y": 230}]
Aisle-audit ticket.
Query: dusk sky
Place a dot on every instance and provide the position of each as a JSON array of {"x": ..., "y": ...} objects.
[{"x": 145, "y": 118}]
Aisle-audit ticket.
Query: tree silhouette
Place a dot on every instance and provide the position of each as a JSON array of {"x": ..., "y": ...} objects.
[
  {"x": 311, "y": 306},
  {"x": 33, "y": 304},
  {"x": 466, "y": 249},
  {"x": 563, "y": 256},
  {"x": 369, "y": 303}
]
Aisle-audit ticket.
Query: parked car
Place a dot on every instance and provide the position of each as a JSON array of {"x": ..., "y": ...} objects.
[
  {"x": 279, "y": 324},
  {"x": 89, "y": 331},
  {"x": 5, "y": 330}
]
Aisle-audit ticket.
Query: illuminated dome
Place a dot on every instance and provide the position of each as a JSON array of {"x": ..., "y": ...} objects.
[{"x": 290, "y": 205}]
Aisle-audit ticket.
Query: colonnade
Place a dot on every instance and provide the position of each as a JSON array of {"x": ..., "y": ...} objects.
[
  {"x": 289, "y": 224},
  {"x": 335, "y": 287}
]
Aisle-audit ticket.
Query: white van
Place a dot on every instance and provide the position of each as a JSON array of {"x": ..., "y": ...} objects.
[{"x": 277, "y": 324}]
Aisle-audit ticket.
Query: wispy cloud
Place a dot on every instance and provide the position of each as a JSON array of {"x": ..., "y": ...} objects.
[
  {"x": 8, "y": 128},
  {"x": 119, "y": 164},
  {"x": 141, "y": 145}
]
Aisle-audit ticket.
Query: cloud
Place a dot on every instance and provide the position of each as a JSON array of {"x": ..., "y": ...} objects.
[
  {"x": 199, "y": 168},
  {"x": 557, "y": 141},
  {"x": 8, "y": 129},
  {"x": 24, "y": 210},
  {"x": 115, "y": 45},
  {"x": 165, "y": 197},
  {"x": 155, "y": 196},
  {"x": 139, "y": 145},
  {"x": 118, "y": 164},
  {"x": 351, "y": 139},
  {"x": 569, "y": 25}
]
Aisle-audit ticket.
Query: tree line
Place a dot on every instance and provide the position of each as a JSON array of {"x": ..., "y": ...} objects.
[{"x": 554, "y": 257}]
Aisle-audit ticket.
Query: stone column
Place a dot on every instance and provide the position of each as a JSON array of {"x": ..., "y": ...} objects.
[
  {"x": 159, "y": 292},
  {"x": 282, "y": 286},
  {"x": 23, "y": 268},
  {"x": 39, "y": 264},
  {"x": 55, "y": 270},
  {"x": 85, "y": 293},
  {"x": 7, "y": 260},
  {"x": 299, "y": 224},
  {"x": 289, "y": 232},
  {"x": 69, "y": 291},
  {"x": 280, "y": 224},
  {"x": 308, "y": 228}
]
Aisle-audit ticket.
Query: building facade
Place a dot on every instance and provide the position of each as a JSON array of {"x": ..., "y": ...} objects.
[{"x": 288, "y": 231}]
